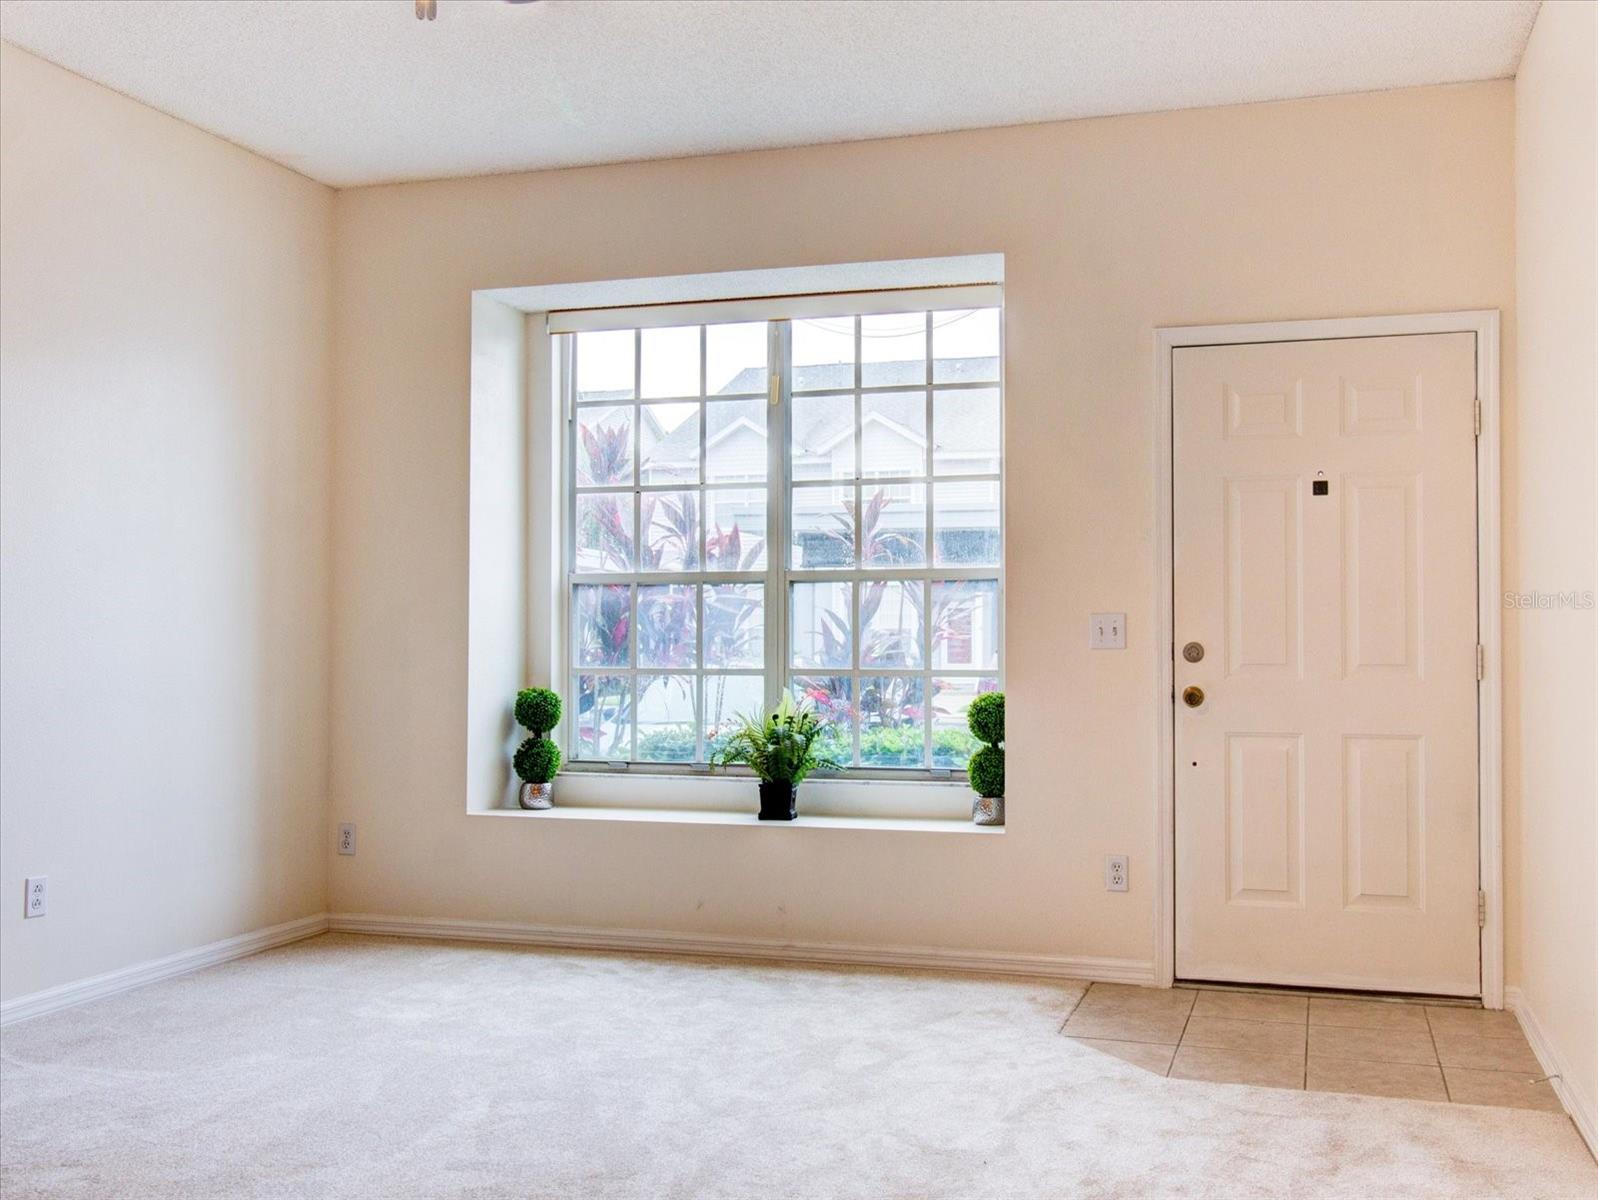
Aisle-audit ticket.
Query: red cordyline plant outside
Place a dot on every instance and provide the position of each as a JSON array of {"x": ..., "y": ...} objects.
[
  {"x": 890, "y": 709},
  {"x": 669, "y": 522}
]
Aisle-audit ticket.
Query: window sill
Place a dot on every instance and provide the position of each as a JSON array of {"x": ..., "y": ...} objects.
[
  {"x": 732, "y": 799},
  {"x": 689, "y": 816}
]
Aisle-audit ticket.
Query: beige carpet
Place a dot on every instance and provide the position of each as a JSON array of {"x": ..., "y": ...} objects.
[{"x": 372, "y": 1067}]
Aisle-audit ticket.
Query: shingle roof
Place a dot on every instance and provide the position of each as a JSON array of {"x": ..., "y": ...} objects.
[
  {"x": 839, "y": 376},
  {"x": 814, "y": 430}
]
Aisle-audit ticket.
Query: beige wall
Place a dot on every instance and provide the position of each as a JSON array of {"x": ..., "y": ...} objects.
[
  {"x": 164, "y": 459},
  {"x": 1555, "y": 786},
  {"x": 169, "y": 475},
  {"x": 1393, "y": 202},
  {"x": 497, "y": 589}
]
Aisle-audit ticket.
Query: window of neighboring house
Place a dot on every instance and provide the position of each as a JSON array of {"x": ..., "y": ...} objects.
[
  {"x": 959, "y": 640},
  {"x": 809, "y": 504}
]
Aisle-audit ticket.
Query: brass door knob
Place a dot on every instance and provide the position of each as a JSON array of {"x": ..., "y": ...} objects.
[{"x": 1192, "y": 696}]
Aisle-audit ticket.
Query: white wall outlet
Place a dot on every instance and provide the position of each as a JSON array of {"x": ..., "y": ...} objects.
[
  {"x": 1107, "y": 631},
  {"x": 1115, "y": 873},
  {"x": 36, "y": 892},
  {"x": 346, "y": 838}
]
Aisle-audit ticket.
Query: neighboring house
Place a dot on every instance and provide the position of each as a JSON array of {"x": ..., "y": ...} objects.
[{"x": 893, "y": 445}]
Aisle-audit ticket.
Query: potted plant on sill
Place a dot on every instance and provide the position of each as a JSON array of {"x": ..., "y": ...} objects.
[
  {"x": 537, "y": 758},
  {"x": 986, "y": 768},
  {"x": 780, "y": 748}
]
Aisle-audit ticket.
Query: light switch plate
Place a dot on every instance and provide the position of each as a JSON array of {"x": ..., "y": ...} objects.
[{"x": 1107, "y": 631}]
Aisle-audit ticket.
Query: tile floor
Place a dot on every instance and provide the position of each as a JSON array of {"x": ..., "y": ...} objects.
[{"x": 1397, "y": 1048}]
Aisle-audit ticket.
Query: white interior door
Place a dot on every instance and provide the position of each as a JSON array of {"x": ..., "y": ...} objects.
[{"x": 1324, "y": 541}]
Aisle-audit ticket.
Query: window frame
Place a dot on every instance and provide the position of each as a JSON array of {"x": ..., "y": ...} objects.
[{"x": 778, "y": 576}]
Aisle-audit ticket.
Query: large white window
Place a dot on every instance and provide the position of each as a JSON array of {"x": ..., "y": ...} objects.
[{"x": 808, "y": 502}]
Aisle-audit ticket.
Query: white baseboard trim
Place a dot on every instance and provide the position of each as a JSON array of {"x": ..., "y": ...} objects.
[
  {"x": 66, "y": 995},
  {"x": 984, "y": 962},
  {"x": 1580, "y": 1108},
  {"x": 639, "y": 941}
]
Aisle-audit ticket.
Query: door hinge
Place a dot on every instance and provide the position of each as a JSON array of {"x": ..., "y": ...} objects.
[
  {"x": 1481, "y": 662},
  {"x": 1478, "y": 418},
  {"x": 1481, "y": 910}
]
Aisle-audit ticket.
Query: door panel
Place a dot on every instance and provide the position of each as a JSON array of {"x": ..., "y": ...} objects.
[
  {"x": 1382, "y": 780},
  {"x": 1263, "y": 628},
  {"x": 1324, "y": 554},
  {"x": 1264, "y": 818}
]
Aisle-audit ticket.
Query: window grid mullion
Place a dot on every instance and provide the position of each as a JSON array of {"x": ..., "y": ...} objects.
[
  {"x": 589, "y": 489},
  {"x": 928, "y": 557},
  {"x": 638, "y": 458},
  {"x": 950, "y": 385},
  {"x": 662, "y": 577},
  {"x": 779, "y": 430},
  {"x": 857, "y": 633},
  {"x": 703, "y": 416},
  {"x": 951, "y": 672},
  {"x": 854, "y": 671},
  {"x": 700, "y": 754},
  {"x": 570, "y": 745},
  {"x": 632, "y": 727},
  {"x": 843, "y": 575},
  {"x": 926, "y": 673},
  {"x": 719, "y": 396},
  {"x": 632, "y": 659}
]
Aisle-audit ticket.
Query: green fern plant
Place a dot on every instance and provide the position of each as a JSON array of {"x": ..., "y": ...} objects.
[{"x": 779, "y": 747}]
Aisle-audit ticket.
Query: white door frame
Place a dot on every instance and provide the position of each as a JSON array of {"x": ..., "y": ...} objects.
[{"x": 1484, "y": 324}]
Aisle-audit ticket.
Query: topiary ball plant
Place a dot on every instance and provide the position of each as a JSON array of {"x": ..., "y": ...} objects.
[
  {"x": 986, "y": 769},
  {"x": 537, "y": 760},
  {"x": 537, "y": 710},
  {"x": 986, "y": 718}
]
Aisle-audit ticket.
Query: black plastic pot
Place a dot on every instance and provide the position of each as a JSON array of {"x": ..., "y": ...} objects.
[{"x": 778, "y": 801}]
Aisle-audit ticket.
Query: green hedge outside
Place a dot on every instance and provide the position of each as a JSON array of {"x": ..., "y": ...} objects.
[{"x": 891, "y": 747}]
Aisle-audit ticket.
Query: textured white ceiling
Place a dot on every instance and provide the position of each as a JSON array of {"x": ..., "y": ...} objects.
[{"x": 359, "y": 91}]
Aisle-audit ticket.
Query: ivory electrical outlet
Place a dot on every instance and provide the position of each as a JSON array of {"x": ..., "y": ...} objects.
[
  {"x": 1115, "y": 873},
  {"x": 346, "y": 838},
  {"x": 36, "y": 895}
]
